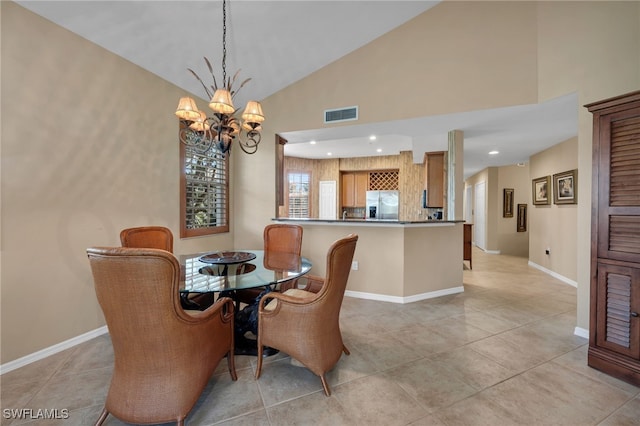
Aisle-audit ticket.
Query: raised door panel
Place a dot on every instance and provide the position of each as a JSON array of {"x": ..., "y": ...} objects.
[
  {"x": 348, "y": 190},
  {"x": 360, "y": 187},
  {"x": 434, "y": 178},
  {"x": 619, "y": 186},
  {"x": 618, "y": 300},
  {"x": 327, "y": 200}
]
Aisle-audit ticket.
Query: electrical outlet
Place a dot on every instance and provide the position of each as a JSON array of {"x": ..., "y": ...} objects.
[
  {"x": 354, "y": 265},
  {"x": 547, "y": 251}
]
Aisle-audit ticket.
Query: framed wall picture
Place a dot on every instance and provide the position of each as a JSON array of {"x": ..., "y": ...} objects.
[
  {"x": 565, "y": 187},
  {"x": 522, "y": 218},
  {"x": 507, "y": 202},
  {"x": 541, "y": 188}
]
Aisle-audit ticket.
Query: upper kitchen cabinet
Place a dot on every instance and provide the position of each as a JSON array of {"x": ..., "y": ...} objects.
[
  {"x": 434, "y": 179},
  {"x": 354, "y": 189}
]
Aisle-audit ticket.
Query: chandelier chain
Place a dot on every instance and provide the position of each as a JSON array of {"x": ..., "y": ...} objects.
[{"x": 224, "y": 43}]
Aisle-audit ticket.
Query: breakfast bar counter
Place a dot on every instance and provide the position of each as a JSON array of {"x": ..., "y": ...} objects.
[
  {"x": 395, "y": 260},
  {"x": 371, "y": 222}
]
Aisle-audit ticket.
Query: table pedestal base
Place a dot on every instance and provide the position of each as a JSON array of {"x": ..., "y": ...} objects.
[
  {"x": 246, "y": 319},
  {"x": 245, "y": 346}
]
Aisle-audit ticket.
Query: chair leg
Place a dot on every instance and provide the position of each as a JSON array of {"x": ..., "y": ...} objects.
[
  {"x": 102, "y": 417},
  {"x": 231, "y": 362},
  {"x": 259, "y": 366},
  {"x": 325, "y": 386},
  {"x": 345, "y": 350}
]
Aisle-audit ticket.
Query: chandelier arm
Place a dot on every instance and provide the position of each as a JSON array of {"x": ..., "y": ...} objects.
[
  {"x": 250, "y": 145},
  {"x": 246, "y": 150},
  {"x": 201, "y": 142}
]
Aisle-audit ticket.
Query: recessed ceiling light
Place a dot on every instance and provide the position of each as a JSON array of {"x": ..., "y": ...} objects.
[
  {"x": 520, "y": 164},
  {"x": 494, "y": 152},
  {"x": 372, "y": 137},
  {"x": 379, "y": 150},
  {"x": 312, "y": 142},
  {"x": 329, "y": 154}
]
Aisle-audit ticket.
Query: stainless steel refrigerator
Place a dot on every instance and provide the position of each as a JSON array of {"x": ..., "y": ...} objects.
[{"x": 383, "y": 205}]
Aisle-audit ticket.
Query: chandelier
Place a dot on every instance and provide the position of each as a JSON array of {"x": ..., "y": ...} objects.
[{"x": 222, "y": 128}]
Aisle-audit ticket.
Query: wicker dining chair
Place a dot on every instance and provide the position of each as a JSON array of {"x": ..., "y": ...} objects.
[
  {"x": 304, "y": 324},
  {"x": 157, "y": 237},
  {"x": 164, "y": 356},
  {"x": 280, "y": 238}
]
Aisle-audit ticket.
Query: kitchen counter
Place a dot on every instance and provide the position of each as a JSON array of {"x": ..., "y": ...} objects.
[
  {"x": 395, "y": 261},
  {"x": 374, "y": 222}
]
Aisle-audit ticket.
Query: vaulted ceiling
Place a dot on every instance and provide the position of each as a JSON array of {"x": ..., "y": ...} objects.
[{"x": 277, "y": 43}]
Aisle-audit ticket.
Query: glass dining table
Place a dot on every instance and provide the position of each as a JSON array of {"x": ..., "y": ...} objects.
[{"x": 224, "y": 272}]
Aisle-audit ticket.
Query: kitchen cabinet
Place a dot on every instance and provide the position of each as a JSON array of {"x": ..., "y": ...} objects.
[
  {"x": 434, "y": 179},
  {"x": 614, "y": 334},
  {"x": 354, "y": 189}
]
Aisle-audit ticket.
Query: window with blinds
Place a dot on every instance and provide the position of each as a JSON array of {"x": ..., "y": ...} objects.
[
  {"x": 204, "y": 191},
  {"x": 298, "y": 194}
]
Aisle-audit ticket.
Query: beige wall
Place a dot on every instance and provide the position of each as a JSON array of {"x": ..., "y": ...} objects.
[
  {"x": 70, "y": 183},
  {"x": 555, "y": 226},
  {"x": 373, "y": 276},
  {"x": 593, "y": 49},
  {"x": 432, "y": 259},
  {"x": 463, "y": 56},
  {"x": 88, "y": 148}
]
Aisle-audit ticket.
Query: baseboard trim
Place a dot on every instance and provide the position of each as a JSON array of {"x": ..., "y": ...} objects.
[
  {"x": 403, "y": 300},
  {"x": 487, "y": 251},
  {"x": 554, "y": 274},
  {"x": 59, "y": 347},
  {"x": 581, "y": 332}
]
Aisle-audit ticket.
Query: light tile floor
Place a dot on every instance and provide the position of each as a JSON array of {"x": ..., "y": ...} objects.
[{"x": 501, "y": 353}]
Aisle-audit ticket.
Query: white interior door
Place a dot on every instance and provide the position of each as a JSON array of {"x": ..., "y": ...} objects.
[
  {"x": 327, "y": 199},
  {"x": 479, "y": 222},
  {"x": 468, "y": 209}
]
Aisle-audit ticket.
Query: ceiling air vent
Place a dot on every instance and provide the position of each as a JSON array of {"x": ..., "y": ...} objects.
[{"x": 341, "y": 114}]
